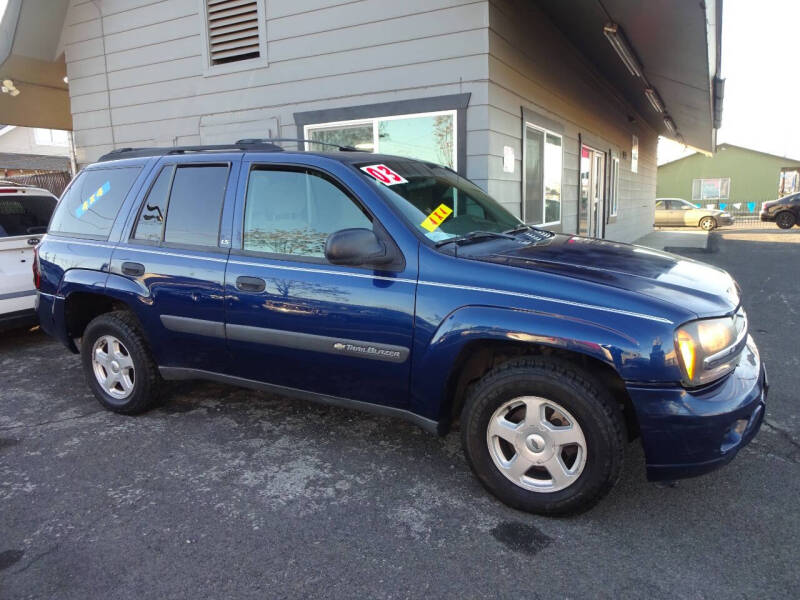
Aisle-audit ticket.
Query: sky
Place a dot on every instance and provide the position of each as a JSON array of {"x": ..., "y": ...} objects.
[{"x": 762, "y": 81}]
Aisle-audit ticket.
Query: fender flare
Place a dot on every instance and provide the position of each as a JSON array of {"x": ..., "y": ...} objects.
[{"x": 437, "y": 361}]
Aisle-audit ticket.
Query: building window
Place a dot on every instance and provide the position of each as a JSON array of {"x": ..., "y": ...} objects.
[
  {"x": 424, "y": 136},
  {"x": 789, "y": 182},
  {"x": 614, "y": 191},
  {"x": 717, "y": 189},
  {"x": 235, "y": 30},
  {"x": 51, "y": 137},
  {"x": 542, "y": 189}
]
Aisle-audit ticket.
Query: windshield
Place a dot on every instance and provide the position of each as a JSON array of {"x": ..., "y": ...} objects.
[{"x": 437, "y": 202}]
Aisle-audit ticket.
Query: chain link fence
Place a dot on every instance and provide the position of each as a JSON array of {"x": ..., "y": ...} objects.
[{"x": 54, "y": 182}]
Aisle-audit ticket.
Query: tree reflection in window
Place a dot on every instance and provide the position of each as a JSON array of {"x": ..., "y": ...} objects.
[
  {"x": 305, "y": 242},
  {"x": 293, "y": 212}
]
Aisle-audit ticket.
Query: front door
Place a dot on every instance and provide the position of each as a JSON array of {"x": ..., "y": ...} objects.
[
  {"x": 295, "y": 320},
  {"x": 593, "y": 186}
]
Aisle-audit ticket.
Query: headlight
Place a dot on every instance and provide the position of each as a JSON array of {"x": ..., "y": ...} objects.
[{"x": 710, "y": 348}]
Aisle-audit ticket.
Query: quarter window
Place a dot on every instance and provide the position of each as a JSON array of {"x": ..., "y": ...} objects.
[
  {"x": 150, "y": 225},
  {"x": 91, "y": 204},
  {"x": 428, "y": 136},
  {"x": 293, "y": 212},
  {"x": 542, "y": 190}
]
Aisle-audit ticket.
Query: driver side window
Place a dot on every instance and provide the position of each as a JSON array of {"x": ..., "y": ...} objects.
[{"x": 293, "y": 211}]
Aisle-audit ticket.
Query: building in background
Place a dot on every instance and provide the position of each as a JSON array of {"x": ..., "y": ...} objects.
[
  {"x": 36, "y": 156},
  {"x": 554, "y": 109},
  {"x": 734, "y": 178}
]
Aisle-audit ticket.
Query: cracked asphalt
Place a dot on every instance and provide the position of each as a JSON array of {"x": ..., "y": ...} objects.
[{"x": 228, "y": 493}]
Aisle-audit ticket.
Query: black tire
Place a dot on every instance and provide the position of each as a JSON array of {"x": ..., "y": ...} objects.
[
  {"x": 147, "y": 382},
  {"x": 785, "y": 219},
  {"x": 707, "y": 224},
  {"x": 592, "y": 407}
]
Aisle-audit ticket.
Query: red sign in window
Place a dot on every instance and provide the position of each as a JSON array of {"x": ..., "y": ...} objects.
[{"x": 384, "y": 174}]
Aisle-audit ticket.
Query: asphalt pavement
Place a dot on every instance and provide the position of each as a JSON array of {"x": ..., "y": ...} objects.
[{"x": 229, "y": 493}]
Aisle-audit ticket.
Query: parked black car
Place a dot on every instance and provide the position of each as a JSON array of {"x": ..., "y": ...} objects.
[{"x": 785, "y": 212}]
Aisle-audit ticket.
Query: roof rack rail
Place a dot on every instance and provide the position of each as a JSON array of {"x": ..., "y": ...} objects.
[
  {"x": 242, "y": 146},
  {"x": 299, "y": 141}
]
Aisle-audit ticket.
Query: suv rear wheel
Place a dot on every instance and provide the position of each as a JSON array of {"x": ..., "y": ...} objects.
[
  {"x": 117, "y": 364},
  {"x": 542, "y": 436}
]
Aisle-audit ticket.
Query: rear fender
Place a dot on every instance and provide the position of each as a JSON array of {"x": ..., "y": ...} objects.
[{"x": 117, "y": 289}]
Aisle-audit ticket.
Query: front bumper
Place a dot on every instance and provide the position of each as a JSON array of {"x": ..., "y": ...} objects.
[
  {"x": 729, "y": 220},
  {"x": 687, "y": 433},
  {"x": 767, "y": 216}
]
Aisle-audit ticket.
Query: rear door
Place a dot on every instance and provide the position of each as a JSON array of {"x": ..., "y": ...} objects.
[
  {"x": 24, "y": 215},
  {"x": 174, "y": 253}
]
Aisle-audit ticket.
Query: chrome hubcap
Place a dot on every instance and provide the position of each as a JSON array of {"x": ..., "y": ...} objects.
[
  {"x": 113, "y": 367},
  {"x": 537, "y": 444}
]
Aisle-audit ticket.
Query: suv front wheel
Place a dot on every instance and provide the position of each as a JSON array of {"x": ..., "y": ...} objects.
[
  {"x": 542, "y": 436},
  {"x": 117, "y": 364},
  {"x": 785, "y": 219}
]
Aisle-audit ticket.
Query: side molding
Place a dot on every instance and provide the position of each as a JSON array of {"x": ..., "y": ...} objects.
[{"x": 316, "y": 343}]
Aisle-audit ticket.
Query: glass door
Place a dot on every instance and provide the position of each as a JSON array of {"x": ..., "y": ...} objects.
[{"x": 593, "y": 187}]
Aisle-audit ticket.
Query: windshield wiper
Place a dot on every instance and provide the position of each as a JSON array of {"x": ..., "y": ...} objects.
[
  {"x": 519, "y": 229},
  {"x": 475, "y": 235}
]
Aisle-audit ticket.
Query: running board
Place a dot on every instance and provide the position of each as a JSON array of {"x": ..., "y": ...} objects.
[{"x": 182, "y": 373}]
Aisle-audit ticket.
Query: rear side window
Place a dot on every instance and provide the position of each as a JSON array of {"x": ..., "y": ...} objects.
[
  {"x": 91, "y": 204},
  {"x": 183, "y": 206},
  {"x": 25, "y": 215},
  {"x": 195, "y": 205}
]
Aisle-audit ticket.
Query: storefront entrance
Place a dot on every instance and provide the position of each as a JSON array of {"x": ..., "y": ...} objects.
[{"x": 592, "y": 202}]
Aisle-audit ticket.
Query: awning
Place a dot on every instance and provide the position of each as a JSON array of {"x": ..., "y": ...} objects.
[
  {"x": 32, "y": 59},
  {"x": 677, "y": 45}
]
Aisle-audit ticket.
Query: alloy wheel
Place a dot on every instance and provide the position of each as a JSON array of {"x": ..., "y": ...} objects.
[
  {"x": 537, "y": 444},
  {"x": 113, "y": 367}
]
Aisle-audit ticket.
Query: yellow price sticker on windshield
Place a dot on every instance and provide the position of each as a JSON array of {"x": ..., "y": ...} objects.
[{"x": 437, "y": 217}]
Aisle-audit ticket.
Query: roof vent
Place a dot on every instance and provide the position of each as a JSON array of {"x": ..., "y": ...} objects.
[{"x": 233, "y": 30}]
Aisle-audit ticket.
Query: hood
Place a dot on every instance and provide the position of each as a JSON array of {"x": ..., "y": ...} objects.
[{"x": 700, "y": 288}]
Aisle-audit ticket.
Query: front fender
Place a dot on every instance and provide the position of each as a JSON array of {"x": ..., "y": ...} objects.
[{"x": 634, "y": 353}]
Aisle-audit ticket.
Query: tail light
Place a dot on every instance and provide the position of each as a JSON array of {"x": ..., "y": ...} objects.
[{"x": 37, "y": 273}]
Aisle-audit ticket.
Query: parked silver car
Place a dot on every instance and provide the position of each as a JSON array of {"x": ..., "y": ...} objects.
[{"x": 676, "y": 212}]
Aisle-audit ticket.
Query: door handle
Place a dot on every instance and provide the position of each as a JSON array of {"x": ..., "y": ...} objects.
[
  {"x": 250, "y": 284},
  {"x": 133, "y": 269},
  {"x": 33, "y": 241}
]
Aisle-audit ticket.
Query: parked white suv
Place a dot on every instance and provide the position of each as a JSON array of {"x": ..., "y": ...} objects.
[{"x": 24, "y": 215}]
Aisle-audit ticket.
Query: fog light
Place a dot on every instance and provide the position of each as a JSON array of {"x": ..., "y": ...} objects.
[{"x": 740, "y": 426}]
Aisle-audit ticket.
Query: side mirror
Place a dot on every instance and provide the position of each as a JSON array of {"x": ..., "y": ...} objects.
[{"x": 356, "y": 247}]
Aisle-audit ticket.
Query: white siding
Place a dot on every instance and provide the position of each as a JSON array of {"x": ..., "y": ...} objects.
[
  {"x": 532, "y": 65},
  {"x": 151, "y": 87}
]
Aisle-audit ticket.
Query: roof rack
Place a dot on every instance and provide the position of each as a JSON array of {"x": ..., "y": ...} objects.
[
  {"x": 299, "y": 141},
  {"x": 242, "y": 146}
]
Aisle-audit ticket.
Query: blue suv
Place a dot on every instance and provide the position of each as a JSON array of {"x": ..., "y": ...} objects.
[{"x": 395, "y": 286}]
